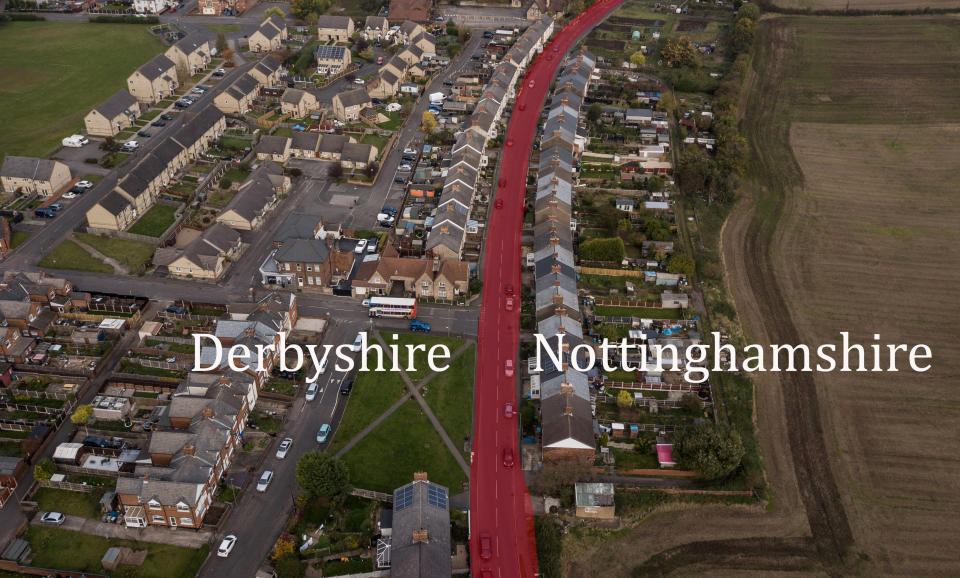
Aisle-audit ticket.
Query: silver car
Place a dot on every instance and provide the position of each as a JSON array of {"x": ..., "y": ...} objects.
[{"x": 284, "y": 448}]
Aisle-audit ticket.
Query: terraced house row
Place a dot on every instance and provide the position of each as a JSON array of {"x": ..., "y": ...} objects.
[
  {"x": 452, "y": 223},
  {"x": 565, "y": 407}
]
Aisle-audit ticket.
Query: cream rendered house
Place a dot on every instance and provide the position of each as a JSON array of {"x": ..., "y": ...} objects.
[
  {"x": 190, "y": 54},
  {"x": 40, "y": 176},
  {"x": 269, "y": 36},
  {"x": 112, "y": 115},
  {"x": 334, "y": 28},
  {"x": 154, "y": 81}
]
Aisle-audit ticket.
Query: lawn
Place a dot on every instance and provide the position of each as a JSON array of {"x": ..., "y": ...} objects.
[
  {"x": 420, "y": 357},
  {"x": 394, "y": 122},
  {"x": 131, "y": 254},
  {"x": 412, "y": 444},
  {"x": 373, "y": 393},
  {"x": 375, "y": 140},
  {"x": 229, "y": 142},
  {"x": 53, "y": 73},
  {"x": 17, "y": 238},
  {"x": 67, "y": 550},
  {"x": 155, "y": 221},
  {"x": 86, "y": 505},
  {"x": 642, "y": 312},
  {"x": 69, "y": 255},
  {"x": 219, "y": 198},
  {"x": 450, "y": 396}
]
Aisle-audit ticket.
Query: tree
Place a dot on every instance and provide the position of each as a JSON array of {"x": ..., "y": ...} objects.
[
  {"x": 463, "y": 34},
  {"x": 44, "y": 469},
  {"x": 320, "y": 474},
  {"x": 693, "y": 170},
  {"x": 273, "y": 11},
  {"x": 453, "y": 49},
  {"x": 227, "y": 58},
  {"x": 751, "y": 11},
  {"x": 110, "y": 144},
  {"x": 183, "y": 74},
  {"x": 594, "y": 112},
  {"x": 428, "y": 122},
  {"x": 655, "y": 184},
  {"x": 284, "y": 546},
  {"x": 713, "y": 451},
  {"x": 638, "y": 58},
  {"x": 624, "y": 399},
  {"x": 682, "y": 264},
  {"x": 679, "y": 52},
  {"x": 82, "y": 414},
  {"x": 335, "y": 171},
  {"x": 370, "y": 169},
  {"x": 221, "y": 43},
  {"x": 603, "y": 249},
  {"x": 451, "y": 28},
  {"x": 741, "y": 37},
  {"x": 225, "y": 183},
  {"x": 691, "y": 403}
]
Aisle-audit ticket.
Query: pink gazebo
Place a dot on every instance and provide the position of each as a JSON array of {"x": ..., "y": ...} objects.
[{"x": 665, "y": 455}]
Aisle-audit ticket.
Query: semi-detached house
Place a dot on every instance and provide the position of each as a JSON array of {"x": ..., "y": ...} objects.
[
  {"x": 269, "y": 36},
  {"x": 190, "y": 54},
  {"x": 113, "y": 115},
  {"x": 42, "y": 177},
  {"x": 334, "y": 28},
  {"x": 154, "y": 81}
]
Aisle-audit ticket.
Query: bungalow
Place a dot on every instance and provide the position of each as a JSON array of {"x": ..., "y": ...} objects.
[
  {"x": 334, "y": 28},
  {"x": 274, "y": 148},
  {"x": 420, "y": 277},
  {"x": 205, "y": 257},
  {"x": 347, "y": 105},
  {"x": 298, "y": 103},
  {"x": 239, "y": 97},
  {"x": 112, "y": 115},
  {"x": 357, "y": 156},
  {"x": 375, "y": 28},
  {"x": 190, "y": 54},
  {"x": 154, "y": 81},
  {"x": 269, "y": 36},
  {"x": 30, "y": 175},
  {"x": 331, "y": 59},
  {"x": 256, "y": 197}
]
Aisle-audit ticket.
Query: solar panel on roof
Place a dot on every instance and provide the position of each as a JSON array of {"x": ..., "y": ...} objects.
[
  {"x": 324, "y": 51},
  {"x": 437, "y": 496},
  {"x": 403, "y": 498}
]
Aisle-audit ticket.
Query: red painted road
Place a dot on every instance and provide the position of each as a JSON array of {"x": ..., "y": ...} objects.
[{"x": 501, "y": 516}]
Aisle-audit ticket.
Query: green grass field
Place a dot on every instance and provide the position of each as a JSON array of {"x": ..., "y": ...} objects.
[
  {"x": 67, "y": 550},
  {"x": 420, "y": 357},
  {"x": 450, "y": 396},
  {"x": 408, "y": 443},
  {"x": 86, "y": 505},
  {"x": 155, "y": 221},
  {"x": 53, "y": 73},
  {"x": 373, "y": 394},
  {"x": 69, "y": 255},
  {"x": 130, "y": 254}
]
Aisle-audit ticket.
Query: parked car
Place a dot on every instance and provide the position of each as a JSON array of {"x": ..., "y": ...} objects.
[
  {"x": 531, "y": 84},
  {"x": 312, "y": 390},
  {"x": 400, "y": 180},
  {"x": 44, "y": 213},
  {"x": 371, "y": 248},
  {"x": 508, "y": 458},
  {"x": 284, "y": 448},
  {"x": 485, "y": 551},
  {"x": 132, "y": 144},
  {"x": 346, "y": 387},
  {"x": 324, "y": 433},
  {"x": 448, "y": 83},
  {"x": 508, "y": 410},
  {"x": 70, "y": 195},
  {"x": 498, "y": 204},
  {"x": 56, "y": 206},
  {"x": 219, "y": 72},
  {"x": 357, "y": 343},
  {"x": 508, "y": 289},
  {"x": 376, "y": 101},
  {"x": 166, "y": 116},
  {"x": 508, "y": 368},
  {"x": 404, "y": 167},
  {"x": 143, "y": 133},
  {"x": 388, "y": 222},
  {"x": 359, "y": 81},
  {"x": 84, "y": 185},
  {"x": 508, "y": 304},
  {"x": 176, "y": 309},
  {"x": 226, "y": 546},
  {"x": 264, "y": 481},
  {"x": 361, "y": 245},
  {"x": 55, "y": 518},
  {"x": 158, "y": 123},
  {"x": 389, "y": 211},
  {"x": 379, "y": 60},
  {"x": 417, "y": 325}
]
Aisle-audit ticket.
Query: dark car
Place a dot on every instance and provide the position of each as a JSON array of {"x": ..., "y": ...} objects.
[
  {"x": 158, "y": 123},
  {"x": 485, "y": 552},
  {"x": 94, "y": 442},
  {"x": 177, "y": 310},
  {"x": 400, "y": 180},
  {"x": 346, "y": 387},
  {"x": 143, "y": 133},
  {"x": 166, "y": 116},
  {"x": 376, "y": 101},
  {"x": 448, "y": 83},
  {"x": 389, "y": 211}
]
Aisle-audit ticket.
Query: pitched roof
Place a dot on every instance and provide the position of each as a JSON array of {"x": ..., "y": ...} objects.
[
  {"x": 325, "y": 52},
  {"x": 303, "y": 251},
  {"x": 305, "y": 140},
  {"x": 27, "y": 168},
  {"x": 421, "y": 530},
  {"x": 567, "y": 421},
  {"x": 353, "y": 97},
  {"x": 335, "y": 22},
  {"x": 332, "y": 143},
  {"x": 114, "y": 203},
  {"x": 376, "y": 22},
  {"x": 356, "y": 152},
  {"x": 156, "y": 67},
  {"x": 120, "y": 103},
  {"x": 273, "y": 145}
]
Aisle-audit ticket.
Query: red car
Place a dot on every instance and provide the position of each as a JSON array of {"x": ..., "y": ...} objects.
[
  {"x": 508, "y": 458},
  {"x": 523, "y": 106},
  {"x": 485, "y": 551},
  {"x": 508, "y": 368},
  {"x": 509, "y": 142},
  {"x": 509, "y": 304},
  {"x": 498, "y": 204},
  {"x": 508, "y": 410},
  {"x": 531, "y": 83},
  {"x": 508, "y": 289}
]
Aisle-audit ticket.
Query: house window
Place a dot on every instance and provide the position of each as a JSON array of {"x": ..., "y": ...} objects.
[
  {"x": 309, "y": 267},
  {"x": 173, "y": 521},
  {"x": 300, "y": 280},
  {"x": 426, "y": 283},
  {"x": 442, "y": 293},
  {"x": 298, "y": 266},
  {"x": 186, "y": 521},
  {"x": 154, "y": 506},
  {"x": 442, "y": 284},
  {"x": 183, "y": 508},
  {"x": 158, "y": 519},
  {"x": 287, "y": 266},
  {"x": 178, "y": 269}
]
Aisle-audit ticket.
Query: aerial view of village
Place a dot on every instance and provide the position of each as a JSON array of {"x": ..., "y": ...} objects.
[{"x": 490, "y": 288}]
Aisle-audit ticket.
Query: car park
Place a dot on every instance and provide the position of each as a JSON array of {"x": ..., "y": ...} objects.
[
  {"x": 264, "y": 482},
  {"x": 284, "y": 448},
  {"x": 54, "y": 518},
  {"x": 312, "y": 390},
  {"x": 226, "y": 546},
  {"x": 361, "y": 246},
  {"x": 324, "y": 433}
]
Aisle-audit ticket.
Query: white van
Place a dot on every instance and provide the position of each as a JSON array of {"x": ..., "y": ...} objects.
[{"x": 75, "y": 141}]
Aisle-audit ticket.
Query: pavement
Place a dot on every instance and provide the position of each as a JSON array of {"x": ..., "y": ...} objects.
[
  {"x": 500, "y": 507},
  {"x": 156, "y": 534}
]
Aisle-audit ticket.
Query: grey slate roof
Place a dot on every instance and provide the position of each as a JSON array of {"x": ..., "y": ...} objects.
[
  {"x": 27, "y": 168},
  {"x": 353, "y": 97},
  {"x": 158, "y": 66},
  {"x": 303, "y": 251},
  {"x": 114, "y": 203},
  {"x": 417, "y": 506},
  {"x": 122, "y": 102}
]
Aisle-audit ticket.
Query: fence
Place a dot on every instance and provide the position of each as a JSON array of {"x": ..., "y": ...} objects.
[
  {"x": 93, "y": 472},
  {"x": 651, "y": 427},
  {"x": 379, "y": 496},
  {"x": 133, "y": 318},
  {"x": 643, "y": 386},
  {"x": 12, "y": 391},
  {"x": 610, "y": 272},
  {"x": 331, "y": 79},
  {"x": 69, "y": 486},
  {"x": 628, "y": 303},
  {"x": 155, "y": 364},
  {"x": 168, "y": 339}
]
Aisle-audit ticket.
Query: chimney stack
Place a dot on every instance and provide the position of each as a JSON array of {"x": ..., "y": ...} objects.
[
  {"x": 419, "y": 476},
  {"x": 207, "y": 412},
  {"x": 189, "y": 450},
  {"x": 419, "y": 536}
]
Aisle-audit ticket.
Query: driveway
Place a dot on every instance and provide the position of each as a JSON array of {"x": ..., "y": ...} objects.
[{"x": 176, "y": 537}]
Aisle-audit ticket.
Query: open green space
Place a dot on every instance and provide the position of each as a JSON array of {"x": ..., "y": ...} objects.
[
  {"x": 86, "y": 505},
  {"x": 373, "y": 393},
  {"x": 155, "y": 221},
  {"x": 642, "y": 312},
  {"x": 223, "y": 28},
  {"x": 53, "y": 73},
  {"x": 17, "y": 238},
  {"x": 419, "y": 357},
  {"x": 69, "y": 255},
  {"x": 450, "y": 396},
  {"x": 375, "y": 140},
  {"x": 407, "y": 442},
  {"x": 68, "y": 550},
  {"x": 131, "y": 254},
  {"x": 394, "y": 122}
]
